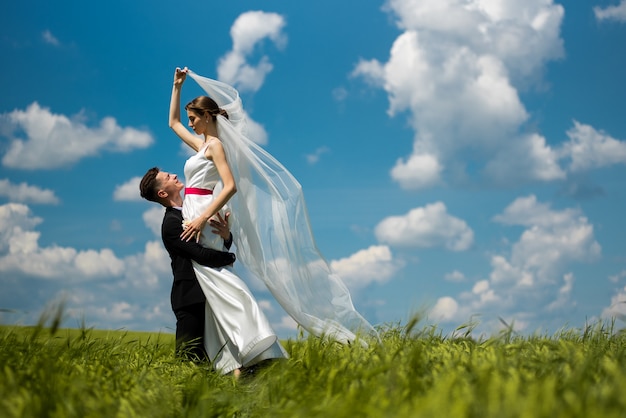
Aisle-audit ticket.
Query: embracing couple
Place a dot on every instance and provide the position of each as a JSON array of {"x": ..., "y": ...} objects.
[{"x": 231, "y": 175}]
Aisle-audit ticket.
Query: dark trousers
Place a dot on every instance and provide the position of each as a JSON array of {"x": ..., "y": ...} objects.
[{"x": 190, "y": 332}]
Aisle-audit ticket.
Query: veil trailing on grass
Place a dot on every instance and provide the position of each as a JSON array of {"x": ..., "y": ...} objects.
[{"x": 271, "y": 230}]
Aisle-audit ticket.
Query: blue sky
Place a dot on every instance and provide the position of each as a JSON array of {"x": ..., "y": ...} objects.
[{"x": 462, "y": 159}]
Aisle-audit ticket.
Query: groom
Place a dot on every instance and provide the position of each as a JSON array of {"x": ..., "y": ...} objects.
[{"x": 187, "y": 299}]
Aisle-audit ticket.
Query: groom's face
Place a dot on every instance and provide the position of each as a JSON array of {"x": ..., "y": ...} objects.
[{"x": 169, "y": 183}]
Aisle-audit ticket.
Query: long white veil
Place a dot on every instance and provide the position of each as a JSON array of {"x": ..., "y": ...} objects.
[{"x": 271, "y": 230}]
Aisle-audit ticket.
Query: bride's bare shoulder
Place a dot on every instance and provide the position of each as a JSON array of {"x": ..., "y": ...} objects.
[{"x": 214, "y": 145}]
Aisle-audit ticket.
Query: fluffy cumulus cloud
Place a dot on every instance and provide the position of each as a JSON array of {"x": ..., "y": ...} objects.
[
  {"x": 111, "y": 313},
  {"x": 153, "y": 218},
  {"x": 374, "y": 264},
  {"x": 417, "y": 171},
  {"x": 24, "y": 193},
  {"x": 40, "y": 139},
  {"x": 426, "y": 227},
  {"x": 617, "y": 308},
  {"x": 617, "y": 12},
  {"x": 96, "y": 285},
  {"x": 589, "y": 148},
  {"x": 248, "y": 31},
  {"x": 148, "y": 270},
  {"x": 445, "y": 309},
  {"x": 16, "y": 220},
  {"x": 457, "y": 68},
  {"x": 256, "y": 131},
  {"x": 527, "y": 157},
  {"x": 530, "y": 284},
  {"x": 128, "y": 191},
  {"x": 20, "y": 252}
]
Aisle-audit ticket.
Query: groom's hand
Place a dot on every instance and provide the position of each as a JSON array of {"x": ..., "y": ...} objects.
[{"x": 220, "y": 225}]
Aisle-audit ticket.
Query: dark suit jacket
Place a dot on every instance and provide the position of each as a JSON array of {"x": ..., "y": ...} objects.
[{"x": 185, "y": 289}]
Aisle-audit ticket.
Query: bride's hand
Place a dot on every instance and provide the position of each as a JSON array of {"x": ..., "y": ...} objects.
[
  {"x": 180, "y": 75},
  {"x": 193, "y": 229}
]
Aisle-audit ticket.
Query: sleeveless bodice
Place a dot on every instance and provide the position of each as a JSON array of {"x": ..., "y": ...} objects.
[{"x": 200, "y": 171}]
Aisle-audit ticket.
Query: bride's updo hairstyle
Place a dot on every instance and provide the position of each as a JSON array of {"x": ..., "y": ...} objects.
[{"x": 202, "y": 104}]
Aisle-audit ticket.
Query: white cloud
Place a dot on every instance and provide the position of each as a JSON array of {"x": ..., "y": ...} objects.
[
  {"x": 52, "y": 140},
  {"x": 563, "y": 295},
  {"x": 255, "y": 131},
  {"x": 114, "y": 312},
  {"x": 526, "y": 158},
  {"x": 524, "y": 35},
  {"x": 457, "y": 68},
  {"x": 110, "y": 311},
  {"x": 484, "y": 292},
  {"x": 552, "y": 238},
  {"x": 102, "y": 263},
  {"x": 266, "y": 305},
  {"x": 426, "y": 227},
  {"x": 248, "y": 31},
  {"x": 20, "y": 252},
  {"x": 14, "y": 220},
  {"x": 531, "y": 284},
  {"x": 147, "y": 269},
  {"x": 527, "y": 211},
  {"x": 617, "y": 308},
  {"x": 104, "y": 290},
  {"x": 153, "y": 218},
  {"x": 286, "y": 323},
  {"x": 128, "y": 191},
  {"x": 455, "y": 276},
  {"x": 617, "y": 277},
  {"x": 419, "y": 171},
  {"x": 611, "y": 12},
  {"x": 374, "y": 264},
  {"x": 23, "y": 193},
  {"x": 339, "y": 94},
  {"x": 444, "y": 310},
  {"x": 49, "y": 38},
  {"x": 315, "y": 156},
  {"x": 589, "y": 148}
]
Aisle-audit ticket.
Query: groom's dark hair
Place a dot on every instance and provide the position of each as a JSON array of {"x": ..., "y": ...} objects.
[{"x": 149, "y": 185}]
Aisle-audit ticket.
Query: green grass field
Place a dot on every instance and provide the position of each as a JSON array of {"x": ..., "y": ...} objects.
[{"x": 50, "y": 372}]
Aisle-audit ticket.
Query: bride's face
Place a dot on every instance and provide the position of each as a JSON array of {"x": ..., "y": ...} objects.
[{"x": 196, "y": 122}]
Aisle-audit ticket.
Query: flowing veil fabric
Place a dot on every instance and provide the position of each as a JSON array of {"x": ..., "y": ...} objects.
[{"x": 272, "y": 233}]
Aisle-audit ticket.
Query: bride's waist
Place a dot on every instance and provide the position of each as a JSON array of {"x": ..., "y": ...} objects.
[{"x": 198, "y": 191}]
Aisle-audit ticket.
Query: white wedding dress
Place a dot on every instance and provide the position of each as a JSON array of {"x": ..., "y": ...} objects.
[
  {"x": 237, "y": 333},
  {"x": 272, "y": 233}
]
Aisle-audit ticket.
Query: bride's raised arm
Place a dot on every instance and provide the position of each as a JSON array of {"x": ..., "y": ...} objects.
[{"x": 175, "y": 123}]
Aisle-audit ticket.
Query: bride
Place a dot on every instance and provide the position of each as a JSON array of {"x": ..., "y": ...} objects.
[
  {"x": 237, "y": 333},
  {"x": 269, "y": 222}
]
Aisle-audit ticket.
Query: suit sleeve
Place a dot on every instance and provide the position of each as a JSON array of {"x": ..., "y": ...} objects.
[
  {"x": 228, "y": 242},
  {"x": 171, "y": 230}
]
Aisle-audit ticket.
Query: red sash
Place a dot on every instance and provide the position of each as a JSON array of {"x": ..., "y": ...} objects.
[{"x": 196, "y": 190}]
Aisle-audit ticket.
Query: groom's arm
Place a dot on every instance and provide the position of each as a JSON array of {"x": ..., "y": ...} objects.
[{"x": 170, "y": 233}]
